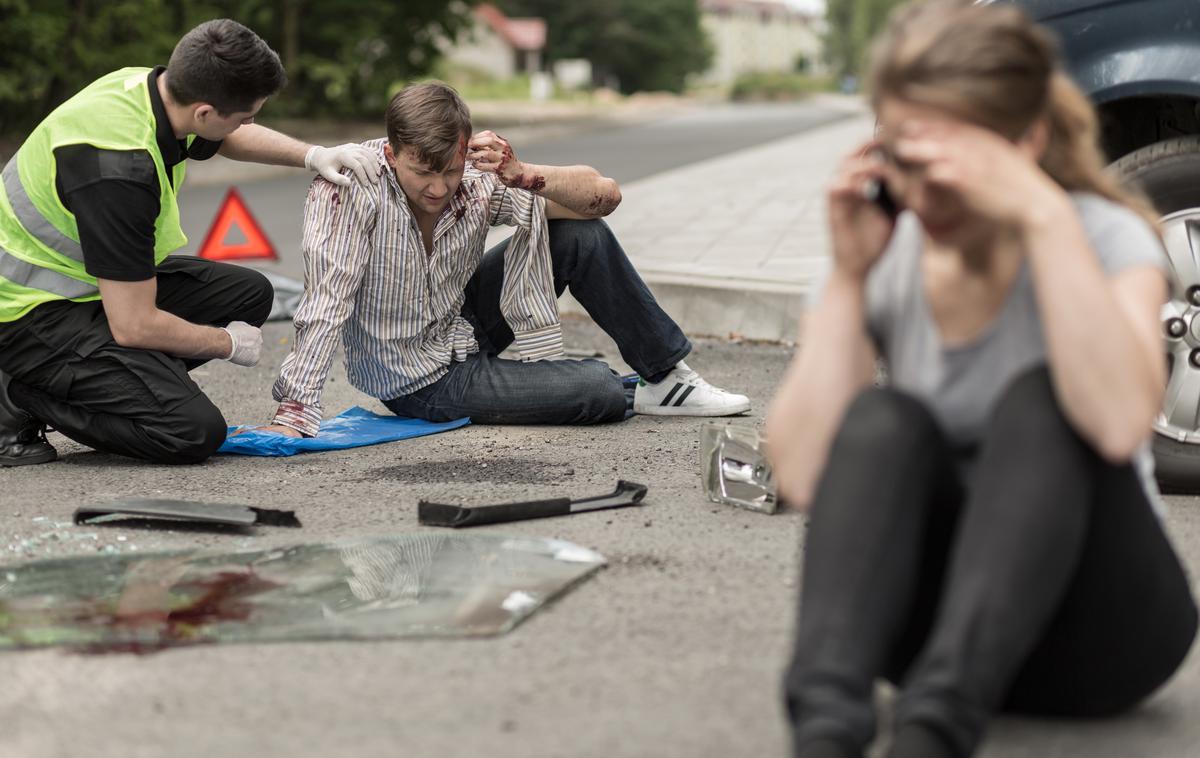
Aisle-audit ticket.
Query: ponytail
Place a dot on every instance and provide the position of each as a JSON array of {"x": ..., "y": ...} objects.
[{"x": 1073, "y": 156}]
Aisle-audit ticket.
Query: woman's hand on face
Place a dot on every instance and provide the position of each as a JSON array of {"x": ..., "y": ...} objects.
[
  {"x": 858, "y": 226},
  {"x": 995, "y": 178}
]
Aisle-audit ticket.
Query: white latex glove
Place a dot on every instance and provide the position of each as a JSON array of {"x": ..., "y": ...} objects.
[
  {"x": 328, "y": 161},
  {"x": 247, "y": 343}
]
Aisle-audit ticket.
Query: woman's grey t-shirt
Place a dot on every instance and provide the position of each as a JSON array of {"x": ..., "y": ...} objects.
[{"x": 961, "y": 384}]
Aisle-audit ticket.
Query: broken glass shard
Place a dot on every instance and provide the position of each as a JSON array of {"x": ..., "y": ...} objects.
[
  {"x": 421, "y": 585},
  {"x": 184, "y": 510},
  {"x": 734, "y": 467}
]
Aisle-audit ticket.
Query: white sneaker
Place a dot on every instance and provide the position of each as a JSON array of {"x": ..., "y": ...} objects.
[{"x": 684, "y": 393}]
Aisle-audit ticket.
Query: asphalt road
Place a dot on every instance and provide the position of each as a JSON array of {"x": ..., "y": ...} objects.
[
  {"x": 674, "y": 650},
  {"x": 626, "y": 153},
  {"x": 633, "y": 153}
]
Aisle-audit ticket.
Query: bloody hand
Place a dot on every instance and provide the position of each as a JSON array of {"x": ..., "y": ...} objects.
[{"x": 491, "y": 153}]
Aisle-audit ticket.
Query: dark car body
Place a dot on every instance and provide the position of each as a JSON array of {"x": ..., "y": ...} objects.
[{"x": 1138, "y": 60}]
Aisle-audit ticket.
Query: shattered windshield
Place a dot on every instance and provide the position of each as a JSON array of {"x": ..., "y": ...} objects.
[{"x": 415, "y": 585}]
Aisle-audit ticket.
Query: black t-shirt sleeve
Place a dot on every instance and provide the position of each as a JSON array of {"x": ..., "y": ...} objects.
[
  {"x": 114, "y": 195},
  {"x": 202, "y": 149}
]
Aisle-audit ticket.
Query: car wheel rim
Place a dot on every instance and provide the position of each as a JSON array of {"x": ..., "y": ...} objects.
[{"x": 1180, "y": 415}]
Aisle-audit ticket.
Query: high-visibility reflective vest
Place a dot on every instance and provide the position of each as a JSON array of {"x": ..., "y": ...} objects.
[{"x": 40, "y": 255}]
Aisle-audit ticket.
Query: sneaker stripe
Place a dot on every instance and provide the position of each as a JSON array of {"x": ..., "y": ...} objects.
[
  {"x": 683, "y": 396},
  {"x": 671, "y": 394}
]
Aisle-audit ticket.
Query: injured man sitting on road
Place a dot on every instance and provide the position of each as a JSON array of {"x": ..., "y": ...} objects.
[{"x": 397, "y": 271}]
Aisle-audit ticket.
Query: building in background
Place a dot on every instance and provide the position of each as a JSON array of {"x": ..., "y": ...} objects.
[
  {"x": 500, "y": 46},
  {"x": 751, "y": 36}
]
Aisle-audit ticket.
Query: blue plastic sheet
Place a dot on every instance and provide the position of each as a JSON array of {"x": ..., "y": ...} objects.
[{"x": 353, "y": 428}]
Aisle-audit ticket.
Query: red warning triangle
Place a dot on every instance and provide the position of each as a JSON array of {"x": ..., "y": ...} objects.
[{"x": 234, "y": 212}]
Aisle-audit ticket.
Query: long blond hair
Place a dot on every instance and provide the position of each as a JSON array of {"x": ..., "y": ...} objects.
[{"x": 992, "y": 66}]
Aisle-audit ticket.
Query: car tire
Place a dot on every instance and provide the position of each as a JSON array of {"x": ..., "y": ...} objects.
[
  {"x": 1175, "y": 466},
  {"x": 1169, "y": 173}
]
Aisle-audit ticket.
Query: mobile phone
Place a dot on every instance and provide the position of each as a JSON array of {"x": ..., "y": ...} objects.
[{"x": 877, "y": 192}]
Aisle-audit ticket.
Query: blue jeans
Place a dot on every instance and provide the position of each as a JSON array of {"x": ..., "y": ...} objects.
[{"x": 587, "y": 258}]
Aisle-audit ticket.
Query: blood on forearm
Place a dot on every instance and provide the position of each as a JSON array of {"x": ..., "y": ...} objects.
[
  {"x": 531, "y": 182},
  {"x": 603, "y": 204},
  {"x": 580, "y": 188}
]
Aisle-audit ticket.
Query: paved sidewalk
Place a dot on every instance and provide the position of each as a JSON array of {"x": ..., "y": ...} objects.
[{"x": 731, "y": 245}]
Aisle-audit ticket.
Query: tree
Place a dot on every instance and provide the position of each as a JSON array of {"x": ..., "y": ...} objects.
[
  {"x": 53, "y": 48},
  {"x": 342, "y": 58},
  {"x": 852, "y": 26},
  {"x": 643, "y": 45},
  {"x": 348, "y": 58}
]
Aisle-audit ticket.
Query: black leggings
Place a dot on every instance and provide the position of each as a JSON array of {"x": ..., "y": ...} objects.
[{"x": 1046, "y": 587}]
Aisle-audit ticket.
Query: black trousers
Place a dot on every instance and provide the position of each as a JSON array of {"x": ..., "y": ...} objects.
[
  {"x": 68, "y": 372},
  {"x": 1045, "y": 585}
]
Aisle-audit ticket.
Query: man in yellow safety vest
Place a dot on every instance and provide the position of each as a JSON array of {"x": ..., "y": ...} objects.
[{"x": 98, "y": 326}]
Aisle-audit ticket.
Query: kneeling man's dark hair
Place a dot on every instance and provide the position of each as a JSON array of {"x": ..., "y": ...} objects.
[{"x": 224, "y": 64}]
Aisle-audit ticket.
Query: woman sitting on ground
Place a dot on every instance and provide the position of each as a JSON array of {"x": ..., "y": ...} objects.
[{"x": 983, "y": 531}]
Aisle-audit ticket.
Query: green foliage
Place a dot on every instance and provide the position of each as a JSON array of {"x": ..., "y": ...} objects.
[
  {"x": 778, "y": 85},
  {"x": 342, "y": 58},
  {"x": 852, "y": 26},
  {"x": 52, "y": 48},
  {"x": 645, "y": 45},
  {"x": 475, "y": 83},
  {"x": 347, "y": 57}
]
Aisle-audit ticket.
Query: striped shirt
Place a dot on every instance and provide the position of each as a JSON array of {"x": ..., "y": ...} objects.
[{"x": 396, "y": 309}]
